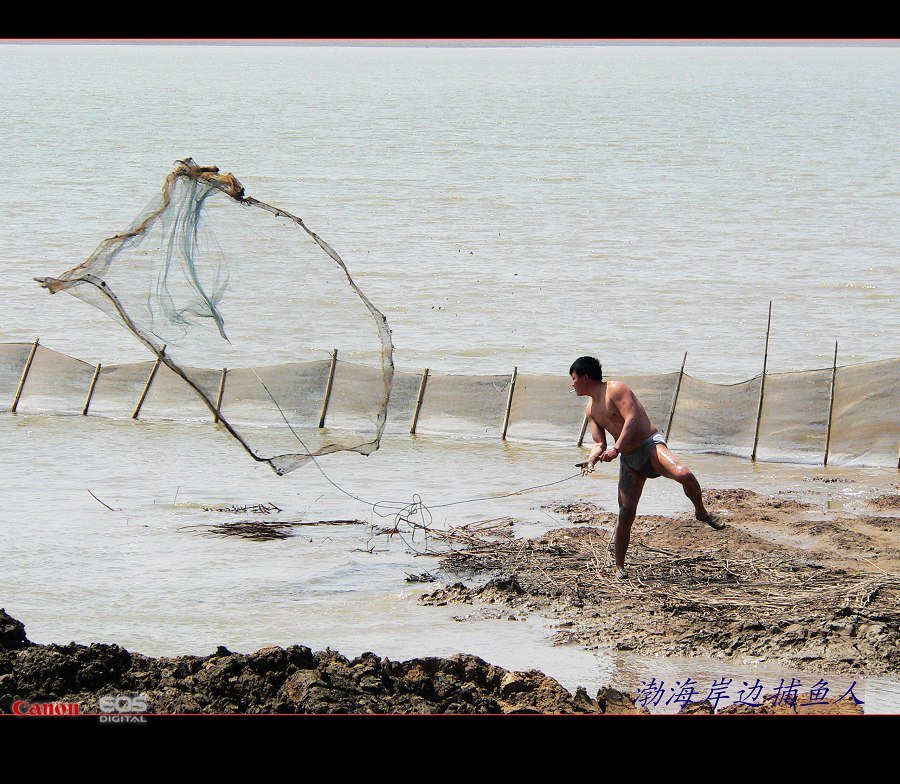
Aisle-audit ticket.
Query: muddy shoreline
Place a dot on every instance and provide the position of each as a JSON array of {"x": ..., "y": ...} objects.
[
  {"x": 785, "y": 581},
  {"x": 72, "y": 679},
  {"x": 275, "y": 680}
]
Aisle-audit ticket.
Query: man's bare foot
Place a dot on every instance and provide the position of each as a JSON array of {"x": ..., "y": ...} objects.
[
  {"x": 713, "y": 521},
  {"x": 621, "y": 574}
]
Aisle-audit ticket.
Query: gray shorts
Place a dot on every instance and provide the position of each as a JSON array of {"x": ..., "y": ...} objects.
[{"x": 639, "y": 459}]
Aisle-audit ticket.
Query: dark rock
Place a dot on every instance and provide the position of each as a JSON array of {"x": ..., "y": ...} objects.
[
  {"x": 505, "y": 585},
  {"x": 613, "y": 701},
  {"x": 282, "y": 680},
  {"x": 583, "y": 702},
  {"x": 12, "y": 633},
  {"x": 697, "y": 707}
]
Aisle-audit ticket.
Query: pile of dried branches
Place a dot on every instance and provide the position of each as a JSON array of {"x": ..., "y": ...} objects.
[
  {"x": 468, "y": 535},
  {"x": 578, "y": 561}
]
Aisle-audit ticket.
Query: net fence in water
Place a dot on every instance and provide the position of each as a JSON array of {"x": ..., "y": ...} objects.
[
  {"x": 866, "y": 406},
  {"x": 793, "y": 423},
  {"x": 715, "y": 417},
  {"x": 207, "y": 279},
  {"x": 795, "y": 415}
]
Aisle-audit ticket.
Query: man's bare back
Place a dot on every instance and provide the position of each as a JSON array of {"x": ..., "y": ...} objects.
[{"x": 614, "y": 407}]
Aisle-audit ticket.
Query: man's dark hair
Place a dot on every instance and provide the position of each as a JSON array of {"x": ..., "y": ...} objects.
[{"x": 587, "y": 366}]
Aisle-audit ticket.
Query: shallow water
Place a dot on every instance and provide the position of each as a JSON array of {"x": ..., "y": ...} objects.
[{"x": 503, "y": 206}]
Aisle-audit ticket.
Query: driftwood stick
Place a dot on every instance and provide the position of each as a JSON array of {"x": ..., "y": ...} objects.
[
  {"x": 90, "y": 394},
  {"x": 584, "y": 426},
  {"x": 140, "y": 403},
  {"x": 99, "y": 501},
  {"x": 24, "y": 375},
  {"x": 762, "y": 386},
  {"x": 419, "y": 399},
  {"x": 219, "y": 396},
  {"x": 675, "y": 399},
  {"x": 328, "y": 387},
  {"x": 831, "y": 405},
  {"x": 509, "y": 399}
]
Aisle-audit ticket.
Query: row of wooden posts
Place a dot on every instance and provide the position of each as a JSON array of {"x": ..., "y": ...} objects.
[
  {"x": 421, "y": 394},
  {"x": 93, "y": 385}
]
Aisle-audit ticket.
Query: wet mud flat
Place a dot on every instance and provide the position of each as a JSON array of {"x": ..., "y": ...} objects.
[
  {"x": 87, "y": 679},
  {"x": 785, "y": 581}
]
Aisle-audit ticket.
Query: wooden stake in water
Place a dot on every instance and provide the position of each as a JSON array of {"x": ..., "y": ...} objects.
[
  {"x": 583, "y": 430},
  {"x": 762, "y": 386},
  {"x": 328, "y": 388},
  {"x": 831, "y": 405},
  {"x": 24, "y": 375},
  {"x": 419, "y": 400},
  {"x": 90, "y": 394},
  {"x": 675, "y": 399},
  {"x": 150, "y": 378},
  {"x": 219, "y": 396},
  {"x": 512, "y": 388}
]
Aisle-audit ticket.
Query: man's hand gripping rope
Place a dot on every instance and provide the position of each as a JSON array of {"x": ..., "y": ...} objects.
[{"x": 598, "y": 455}]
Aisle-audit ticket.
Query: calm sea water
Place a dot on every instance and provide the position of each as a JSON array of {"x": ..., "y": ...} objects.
[{"x": 502, "y": 207}]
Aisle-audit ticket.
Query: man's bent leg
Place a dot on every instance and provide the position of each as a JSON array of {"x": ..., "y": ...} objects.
[
  {"x": 668, "y": 465},
  {"x": 631, "y": 484}
]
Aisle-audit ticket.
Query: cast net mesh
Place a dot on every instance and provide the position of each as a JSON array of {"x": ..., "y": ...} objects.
[
  {"x": 241, "y": 304},
  {"x": 208, "y": 279}
]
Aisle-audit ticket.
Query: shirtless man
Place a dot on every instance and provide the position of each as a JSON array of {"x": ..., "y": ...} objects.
[{"x": 613, "y": 407}]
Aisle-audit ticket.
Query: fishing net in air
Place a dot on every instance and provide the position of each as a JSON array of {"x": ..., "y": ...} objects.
[{"x": 221, "y": 288}]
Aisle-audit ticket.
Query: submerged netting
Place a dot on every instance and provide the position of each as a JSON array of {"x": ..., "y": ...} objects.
[
  {"x": 208, "y": 279},
  {"x": 865, "y": 426},
  {"x": 794, "y": 421},
  {"x": 544, "y": 408},
  {"x": 716, "y": 417}
]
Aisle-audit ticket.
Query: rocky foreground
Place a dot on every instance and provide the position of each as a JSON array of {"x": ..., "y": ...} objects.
[{"x": 297, "y": 680}]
